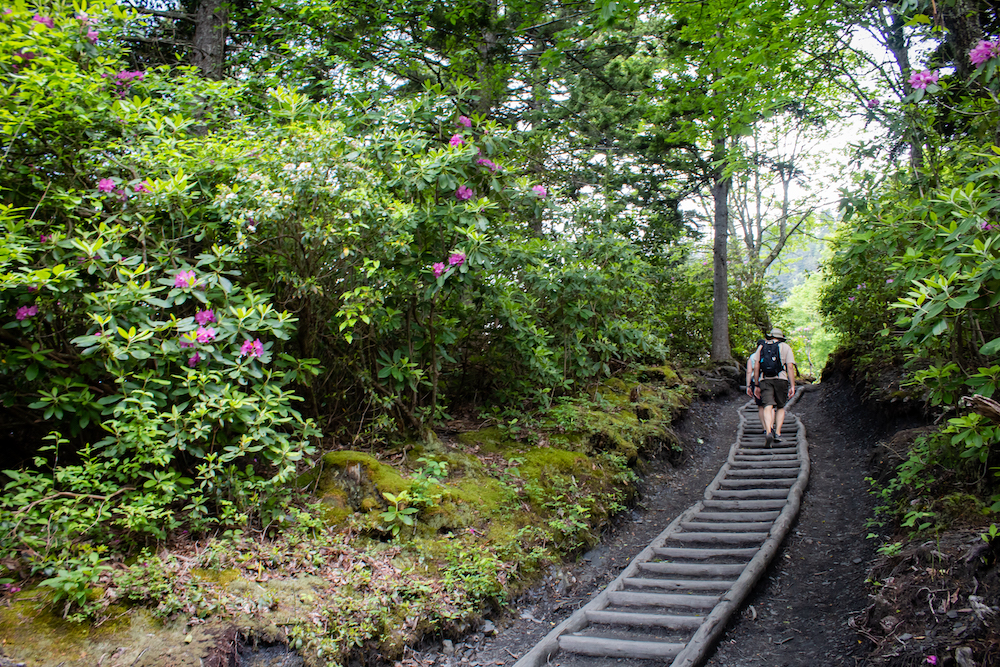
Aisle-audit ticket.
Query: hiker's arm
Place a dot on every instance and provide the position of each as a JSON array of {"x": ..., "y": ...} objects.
[{"x": 790, "y": 372}]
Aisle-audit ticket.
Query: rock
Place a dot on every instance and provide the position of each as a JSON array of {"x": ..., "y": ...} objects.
[
  {"x": 963, "y": 656},
  {"x": 489, "y": 629},
  {"x": 447, "y": 647}
]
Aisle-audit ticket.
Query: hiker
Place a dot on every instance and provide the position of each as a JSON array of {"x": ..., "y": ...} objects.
[
  {"x": 752, "y": 382},
  {"x": 775, "y": 380}
]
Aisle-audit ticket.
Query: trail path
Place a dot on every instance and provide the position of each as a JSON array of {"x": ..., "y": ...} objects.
[{"x": 797, "y": 615}]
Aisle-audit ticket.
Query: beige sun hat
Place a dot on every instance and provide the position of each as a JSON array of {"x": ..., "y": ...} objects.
[{"x": 776, "y": 333}]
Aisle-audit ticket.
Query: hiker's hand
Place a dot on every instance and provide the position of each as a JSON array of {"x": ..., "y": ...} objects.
[
  {"x": 756, "y": 391},
  {"x": 750, "y": 389},
  {"x": 791, "y": 390}
]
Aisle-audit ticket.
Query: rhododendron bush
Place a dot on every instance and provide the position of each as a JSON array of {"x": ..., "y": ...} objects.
[{"x": 190, "y": 296}]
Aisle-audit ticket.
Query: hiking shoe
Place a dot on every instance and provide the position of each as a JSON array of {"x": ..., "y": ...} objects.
[
  {"x": 768, "y": 439},
  {"x": 777, "y": 438}
]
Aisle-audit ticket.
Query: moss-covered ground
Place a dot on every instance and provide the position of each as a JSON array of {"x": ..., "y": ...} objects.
[{"x": 416, "y": 540}]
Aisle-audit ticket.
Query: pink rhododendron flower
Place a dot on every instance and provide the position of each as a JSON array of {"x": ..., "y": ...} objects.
[
  {"x": 486, "y": 162},
  {"x": 121, "y": 194},
  {"x": 923, "y": 79},
  {"x": 253, "y": 348},
  {"x": 82, "y": 18},
  {"x": 92, "y": 35},
  {"x": 45, "y": 238},
  {"x": 931, "y": 660},
  {"x": 850, "y": 298},
  {"x": 141, "y": 188},
  {"x": 186, "y": 342},
  {"x": 24, "y": 312},
  {"x": 985, "y": 50},
  {"x": 541, "y": 191},
  {"x": 44, "y": 20},
  {"x": 888, "y": 281},
  {"x": 203, "y": 317},
  {"x": 105, "y": 185},
  {"x": 205, "y": 335},
  {"x": 185, "y": 279},
  {"x": 456, "y": 140},
  {"x": 463, "y": 193},
  {"x": 457, "y": 259},
  {"x": 438, "y": 269},
  {"x": 193, "y": 361},
  {"x": 465, "y": 121},
  {"x": 873, "y": 103}
]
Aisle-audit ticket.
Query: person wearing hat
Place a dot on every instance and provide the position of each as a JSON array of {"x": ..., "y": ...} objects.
[{"x": 775, "y": 382}]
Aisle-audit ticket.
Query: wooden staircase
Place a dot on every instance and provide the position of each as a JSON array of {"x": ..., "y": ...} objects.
[{"x": 673, "y": 600}]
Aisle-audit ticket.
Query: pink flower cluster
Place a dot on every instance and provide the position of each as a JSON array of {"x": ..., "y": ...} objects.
[
  {"x": 923, "y": 79},
  {"x": 25, "y": 57},
  {"x": 464, "y": 193},
  {"x": 540, "y": 191},
  {"x": 46, "y": 21},
  {"x": 24, "y": 312},
  {"x": 203, "y": 317},
  {"x": 464, "y": 121},
  {"x": 85, "y": 21},
  {"x": 987, "y": 227},
  {"x": 985, "y": 50},
  {"x": 253, "y": 348},
  {"x": 123, "y": 80},
  {"x": 489, "y": 164},
  {"x": 185, "y": 280},
  {"x": 873, "y": 103},
  {"x": 456, "y": 140},
  {"x": 455, "y": 259}
]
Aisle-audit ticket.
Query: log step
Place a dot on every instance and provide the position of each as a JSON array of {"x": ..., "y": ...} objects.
[
  {"x": 751, "y": 494},
  {"x": 771, "y": 482},
  {"x": 701, "y": 554},
  {"x": 694, "y": 569},
  {"x": 679, "y": 584},
  {"x": 614, "y": 647},
  {"x": 733, "y": 526},
  {"x": 758, "y": 472},
  {"x": 719, "y": 538},
  {"x": 634, "y": 619},
  {"x": 736, "y": 516},
  {"x": 743, "y": 504},
  {"x": 630, "y": 599}
]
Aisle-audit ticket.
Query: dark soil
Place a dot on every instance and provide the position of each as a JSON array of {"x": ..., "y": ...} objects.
[{"x": 799, "y": 615}]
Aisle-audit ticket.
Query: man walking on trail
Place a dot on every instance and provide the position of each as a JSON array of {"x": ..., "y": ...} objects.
[
  {"x": 775, "y": 380},
  {"x": 752, "y": 381}
]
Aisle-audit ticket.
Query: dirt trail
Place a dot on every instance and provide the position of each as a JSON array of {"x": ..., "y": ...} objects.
[{"x": 796, "y": 617}]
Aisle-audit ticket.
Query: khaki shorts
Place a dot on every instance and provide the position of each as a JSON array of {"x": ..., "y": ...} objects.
[{"x": 774, "y": 391}]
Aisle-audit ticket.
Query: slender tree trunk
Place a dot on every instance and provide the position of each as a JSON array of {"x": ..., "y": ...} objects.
[
  {"x": 209, "y": 47},
  {"x": 721, "y": 350}
]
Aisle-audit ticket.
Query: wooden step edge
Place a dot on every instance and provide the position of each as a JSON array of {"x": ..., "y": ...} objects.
[
  {"x": 637, "y": 619},
  {"x": 694, "y": 569},
  {"x": 748, "y": 503},
  {"x": 681, "y": 584},
  {"x": 615, "y": 647},
  {"x": 732, "y": 526},
  {"x": 703, "y": 553},
  {"x": 633, "y": 599},
  {"x": 736, "y": 516}
]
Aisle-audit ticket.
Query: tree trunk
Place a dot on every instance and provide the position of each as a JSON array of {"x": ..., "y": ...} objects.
[
  {"x": 209, "y": 46},
  {"x": 721, "y": 350}
]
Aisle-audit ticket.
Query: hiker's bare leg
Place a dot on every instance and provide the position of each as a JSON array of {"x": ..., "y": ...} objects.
[
  {"x": 760, "y": 414},
  {"x": 768, "y": 418},
  {"x": 779, "y": 420}
]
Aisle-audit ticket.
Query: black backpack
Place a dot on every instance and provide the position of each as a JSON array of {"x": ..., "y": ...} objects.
[{"x": 770, "y": 359}]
